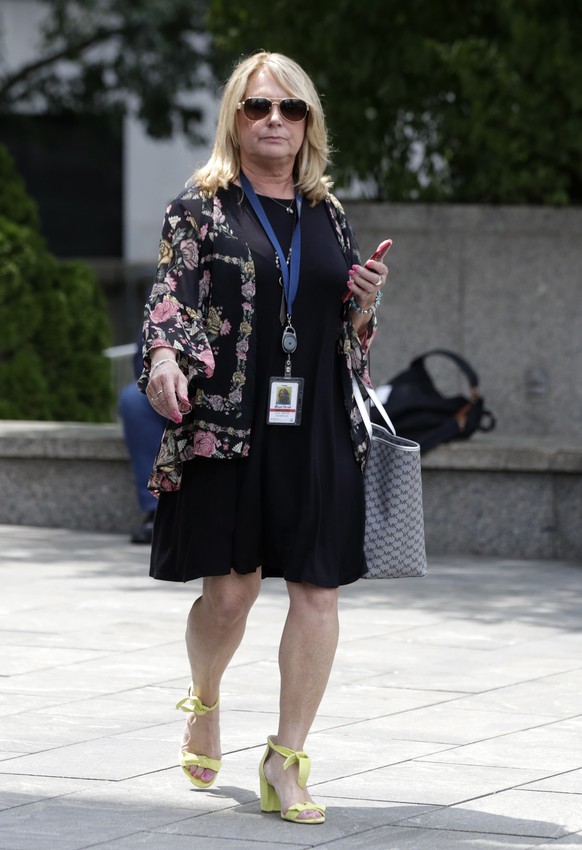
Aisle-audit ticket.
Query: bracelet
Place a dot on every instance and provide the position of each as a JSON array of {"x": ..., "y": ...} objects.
[
  {"x": 355, "y": 306},
  {"x": 159, "y": 363}
]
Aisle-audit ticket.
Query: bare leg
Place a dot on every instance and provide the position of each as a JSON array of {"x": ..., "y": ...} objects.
[
  {"x": 215, "y": 628},
  {"x": 306, "y": 654}
]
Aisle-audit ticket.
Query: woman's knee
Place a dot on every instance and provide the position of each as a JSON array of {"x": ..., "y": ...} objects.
[
  {"x": 313, "y": 601},
  {"x": 230, "y": 598}
]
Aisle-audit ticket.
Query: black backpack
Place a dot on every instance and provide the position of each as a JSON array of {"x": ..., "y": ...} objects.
[{"x": 420, "y": 412}]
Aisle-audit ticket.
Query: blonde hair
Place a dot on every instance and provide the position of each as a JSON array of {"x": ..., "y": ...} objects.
[{"x": 223, "y": 165}]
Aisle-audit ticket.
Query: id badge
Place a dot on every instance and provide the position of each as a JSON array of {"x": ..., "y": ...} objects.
[{"x": 285, "y": 401}]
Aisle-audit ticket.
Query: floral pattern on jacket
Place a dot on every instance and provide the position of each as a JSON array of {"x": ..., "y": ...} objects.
[{"x": 202, "y": 304}]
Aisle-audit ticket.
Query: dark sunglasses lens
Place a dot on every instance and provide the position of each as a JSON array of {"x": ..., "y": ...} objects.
[
  {"x": 256, "y": 108},
  {"x": 293, "y": 109}
]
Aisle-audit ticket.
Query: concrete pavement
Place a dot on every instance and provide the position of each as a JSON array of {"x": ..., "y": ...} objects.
[{"x": 453, "y": 718}]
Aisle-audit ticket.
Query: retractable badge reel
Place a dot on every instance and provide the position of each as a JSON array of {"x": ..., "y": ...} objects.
[
  {"x": 289, "y": 340},
  {"x": 286, "y": 393}
]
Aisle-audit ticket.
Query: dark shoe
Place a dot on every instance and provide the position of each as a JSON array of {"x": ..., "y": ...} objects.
[{"x": 144, "y": 533}]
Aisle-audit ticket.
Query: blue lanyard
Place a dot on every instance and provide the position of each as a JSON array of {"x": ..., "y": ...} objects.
[{"x": 290, "y": 274}]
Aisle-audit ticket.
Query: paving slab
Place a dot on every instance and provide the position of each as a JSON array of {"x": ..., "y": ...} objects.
[
  {"x": 155, "y": 841},
  {"x": 516, "y": 812},
  {"x": 22, "y": 790},
  {"x": 558, "y": 695},
  {"x": 568, "y": 782},
  {"x": 403, "y": 838},
  {"x": 553, "y": 747},
  {"x": 111, "y": 758},
  {"x": 344, "y": 819},
  {"x": 38, "y": 733},
  {"x": 422, "y": 782},
  {"x": 376, "y": 701},
  {"x": 453, "y": 718},
  {"x": 448, "y": 724}
]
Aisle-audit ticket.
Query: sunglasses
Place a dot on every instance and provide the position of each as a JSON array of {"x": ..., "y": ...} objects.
[{"x": 291, "y": 108}]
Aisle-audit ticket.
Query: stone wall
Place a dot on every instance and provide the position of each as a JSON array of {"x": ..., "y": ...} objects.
[
  {"x": 491, "y": 495},
  {"x": 500, "y": 285}
]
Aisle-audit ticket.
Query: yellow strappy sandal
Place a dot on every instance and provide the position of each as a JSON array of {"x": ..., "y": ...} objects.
[
  {"x": 269, "y": 798},
  {"x": 193, "y": 704}
]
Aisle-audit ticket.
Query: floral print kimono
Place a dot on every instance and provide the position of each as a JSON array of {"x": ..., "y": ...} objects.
[{"x": 202, "y": 304}]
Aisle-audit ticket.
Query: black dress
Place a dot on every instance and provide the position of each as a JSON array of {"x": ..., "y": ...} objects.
[{"x": 295, "y": 505}]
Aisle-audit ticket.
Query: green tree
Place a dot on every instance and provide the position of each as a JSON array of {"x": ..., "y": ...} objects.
[
  {"x": 53, "y": 320},
  {"x": 461, "y": 100},
  {"x": 102, "y": 55}
]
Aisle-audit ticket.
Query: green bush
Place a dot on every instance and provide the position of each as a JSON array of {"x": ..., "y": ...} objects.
[
  {"x": 53, "y": 322},
  {"x": 15, "y": 203}
]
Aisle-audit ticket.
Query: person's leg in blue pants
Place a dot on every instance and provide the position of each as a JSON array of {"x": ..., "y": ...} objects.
[{"x": 142, "y": 429}]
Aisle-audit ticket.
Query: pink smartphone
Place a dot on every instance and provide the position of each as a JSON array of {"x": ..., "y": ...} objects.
[
  {"x": 380, "y": 251},
  {"x": 378, "y": 254}
]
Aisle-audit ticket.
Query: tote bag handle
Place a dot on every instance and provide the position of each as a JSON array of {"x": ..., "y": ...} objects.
[{"x": 356, "y": 381}]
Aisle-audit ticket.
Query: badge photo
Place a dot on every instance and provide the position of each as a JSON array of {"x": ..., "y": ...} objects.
[{"x": 285, "y": 401}]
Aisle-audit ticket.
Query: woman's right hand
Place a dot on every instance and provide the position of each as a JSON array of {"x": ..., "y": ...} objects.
[{"x": 167, "y": 390}]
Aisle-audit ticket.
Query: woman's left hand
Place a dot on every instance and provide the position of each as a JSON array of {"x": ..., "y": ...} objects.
[{"x": 366, "y": 281}]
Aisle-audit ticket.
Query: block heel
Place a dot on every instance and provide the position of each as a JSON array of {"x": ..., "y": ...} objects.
[{"x": 269, "y": 798}]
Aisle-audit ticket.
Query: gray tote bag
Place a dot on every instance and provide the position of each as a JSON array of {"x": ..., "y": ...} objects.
[{"x": 394, "y": 536}]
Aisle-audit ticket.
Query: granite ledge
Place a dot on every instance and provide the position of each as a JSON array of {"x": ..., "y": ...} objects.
[
  {"x": 491, "y": 452},
  {"x": 498, "y": 453},
  {"x": 64, "y": 440}
]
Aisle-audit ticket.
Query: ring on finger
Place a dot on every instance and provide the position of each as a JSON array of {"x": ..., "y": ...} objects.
[
  {"x": 160, "y": 392},
  {"x": 380, "y": 281}
]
